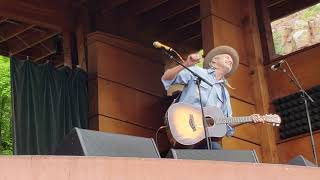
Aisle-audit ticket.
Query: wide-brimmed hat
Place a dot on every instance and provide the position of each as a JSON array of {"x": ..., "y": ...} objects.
[{"x": 222, "y": 50}]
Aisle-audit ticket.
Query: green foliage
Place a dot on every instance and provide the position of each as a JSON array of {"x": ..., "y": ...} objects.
[
  {"x": 200, "y": 63},
  {"x": 277, "y": 41},
  {"x": 311, "y": 12},
  {"x": 6, "y": 145}
]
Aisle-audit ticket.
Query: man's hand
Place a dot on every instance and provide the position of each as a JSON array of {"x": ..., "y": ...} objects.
[
  {"x": 192, "y": 60},
  {"x": 257, "y": 118}
]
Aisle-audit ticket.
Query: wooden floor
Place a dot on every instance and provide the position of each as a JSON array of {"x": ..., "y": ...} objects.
[{"x": 102, "y": 168}]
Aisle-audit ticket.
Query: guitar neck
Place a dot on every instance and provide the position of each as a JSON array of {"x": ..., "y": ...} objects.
[{"x": 224, "y": 120}]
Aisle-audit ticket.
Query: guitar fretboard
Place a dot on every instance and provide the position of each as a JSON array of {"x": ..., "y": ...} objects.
[{"x": 224, "y": 120}]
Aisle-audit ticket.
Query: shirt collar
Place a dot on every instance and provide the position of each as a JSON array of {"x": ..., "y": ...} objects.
[{"x": 211, "y": 71}]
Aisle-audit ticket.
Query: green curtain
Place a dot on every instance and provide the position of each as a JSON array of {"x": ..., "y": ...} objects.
[{"x": 47, "y": 104}]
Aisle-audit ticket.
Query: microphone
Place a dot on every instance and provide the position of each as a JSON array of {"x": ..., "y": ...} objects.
[
  {"x": 276, "y": 66},
  {"x": 157, "y": 44}
]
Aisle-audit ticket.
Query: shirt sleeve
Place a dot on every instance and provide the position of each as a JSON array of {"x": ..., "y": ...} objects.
[
  {"x": 181, "y": 78},
  {"x": 230, "y": 130}
]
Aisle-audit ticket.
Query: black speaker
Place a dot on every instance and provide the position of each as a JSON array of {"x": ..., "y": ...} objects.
[
  {"x": 300, "y": 161},
  {"x": 81, "y": 142},
  {"x": 215, "y": 155}
]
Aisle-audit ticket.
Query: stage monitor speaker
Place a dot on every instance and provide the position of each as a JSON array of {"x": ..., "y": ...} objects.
[
  {"x": 81, "y": 142},
  {"x": 215, "y": 155},
  {"x": 300, "y": 161}
]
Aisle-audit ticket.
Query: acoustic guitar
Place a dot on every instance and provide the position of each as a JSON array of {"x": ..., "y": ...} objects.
[{"x": 185, "y": 126}]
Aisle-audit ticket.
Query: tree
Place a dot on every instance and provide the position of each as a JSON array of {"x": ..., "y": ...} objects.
[{"x": 6, "y": 145}]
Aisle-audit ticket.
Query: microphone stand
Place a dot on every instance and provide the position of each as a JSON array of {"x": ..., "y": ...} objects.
[
  {"x": 198, "y": 81},
  {"x": 305, "y": 96}
]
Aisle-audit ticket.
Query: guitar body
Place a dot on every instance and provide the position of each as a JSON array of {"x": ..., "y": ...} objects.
[{"x": 185, "y": 126}]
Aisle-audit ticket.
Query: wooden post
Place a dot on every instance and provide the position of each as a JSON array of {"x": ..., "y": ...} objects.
[
  {"x": 261, "y": 94},
  {"x": 207, "y": 19}
]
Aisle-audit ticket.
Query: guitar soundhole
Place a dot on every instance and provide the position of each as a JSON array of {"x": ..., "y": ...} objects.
[{"x": 210, "y": 121}]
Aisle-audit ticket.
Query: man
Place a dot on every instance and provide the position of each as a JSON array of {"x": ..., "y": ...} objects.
[{"x": 219, "y": 64}]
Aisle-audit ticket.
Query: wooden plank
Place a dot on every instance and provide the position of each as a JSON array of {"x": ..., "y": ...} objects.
[
  {"x": 93, "y": 96},
  {"x": 177, "y": 21},
  {"x": 130, "y": 105},
  {"x": 135, "y": 71},
  {"x": 35, "y": 43},
  {"x": 231, "y": 35},
  {"x": 228, "y": 10},
  {"x": 242, "y": 83},
  {"x": 247, "y": 132},
  {"x": 301, "y": 146},
  {"x": 115, "y": 126},
  {"x": 305, "y": 65},
  {"x": 52, "y": 14},
  {"x": 285, "y": 7},
  {"x": 166, "y": 11},
  {"x": 241, "y": 108},
  {"x": 264, "y": 24},
  {"x": 238, "y": 144}
]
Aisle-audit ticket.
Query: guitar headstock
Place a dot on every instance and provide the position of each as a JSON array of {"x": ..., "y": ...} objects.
[{"x": 274, "y": 119}]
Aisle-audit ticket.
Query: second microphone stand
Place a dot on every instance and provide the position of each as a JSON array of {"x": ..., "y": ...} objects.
[
  {"x": 198, "y": 81},
  {"x": 305, "y": 96}
]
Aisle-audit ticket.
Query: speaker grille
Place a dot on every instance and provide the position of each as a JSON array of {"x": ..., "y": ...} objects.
[
  {"x": 96, "y": 143},
  {"x": 216, "y": 155}
]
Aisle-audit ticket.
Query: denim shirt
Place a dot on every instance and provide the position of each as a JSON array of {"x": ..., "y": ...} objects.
[{"x": 217, "y": 95}]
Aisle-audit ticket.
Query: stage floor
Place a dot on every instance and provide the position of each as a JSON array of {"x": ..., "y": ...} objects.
[{"x": 102, "y": 168}]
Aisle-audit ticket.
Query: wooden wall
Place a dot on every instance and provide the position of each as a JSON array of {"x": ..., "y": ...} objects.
[
  {"x": 305, "y": 65},
  {"x": 126, "y": 95}
]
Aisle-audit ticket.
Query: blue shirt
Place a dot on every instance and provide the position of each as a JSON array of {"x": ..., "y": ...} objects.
[{"x": 217, "y": 95}]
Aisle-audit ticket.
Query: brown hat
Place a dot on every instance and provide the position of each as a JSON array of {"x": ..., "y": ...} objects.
[{"x": 222, "y": 50}]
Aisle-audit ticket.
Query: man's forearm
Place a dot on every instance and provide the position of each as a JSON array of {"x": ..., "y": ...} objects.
[{"x": 171, "y": 73}]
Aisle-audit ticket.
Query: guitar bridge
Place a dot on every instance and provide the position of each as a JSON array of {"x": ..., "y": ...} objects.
[{"x": 191, "y": 122}]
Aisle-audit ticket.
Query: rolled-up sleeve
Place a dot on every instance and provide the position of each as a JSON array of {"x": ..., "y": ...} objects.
[
  {"x": 181, "y": 78},
  {"x": 230, "y": 130}
]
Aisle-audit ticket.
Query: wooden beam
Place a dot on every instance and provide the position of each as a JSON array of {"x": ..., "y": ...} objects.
[
  {"x": 35, "y": 43},
  {"x": 44, "y": 56},
  {"x": 186, "y": 32},
  {"x": 259, "y": 82},
  {"x": 147, "y": 5},
  {"x": 178, "y": 21},
  {"x": 264, "y": 24},
  {"x": 17, "y": 33},
  {"x": 2, "y": 20},
  {"x": 166, "y": 10},
  {"x": 285, "y": 7},
  {"x": 52, "y": 14},
  {"x": 134, "y": 7},
  {"x": 207, "y": 21}
]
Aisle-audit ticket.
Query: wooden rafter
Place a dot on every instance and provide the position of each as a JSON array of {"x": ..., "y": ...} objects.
[
  {"x": 2, "y": 20},
  {"x": 44, "y": 56},
  {"x": 35, "y": 43},
  {"x": 167, "y": 10},
  {"x": 16, "y": 33},
  {"x": 178, "y": 21}
]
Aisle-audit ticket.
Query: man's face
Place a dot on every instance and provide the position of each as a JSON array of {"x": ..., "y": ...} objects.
[{"x": 223, "y": 61}]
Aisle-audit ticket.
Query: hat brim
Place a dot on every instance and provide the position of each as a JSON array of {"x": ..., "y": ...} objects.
[{"x": 223, "y": 50}]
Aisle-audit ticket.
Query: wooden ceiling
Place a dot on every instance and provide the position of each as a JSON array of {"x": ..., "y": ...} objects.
[
  {"x": 171, "y": 21},
  {"x": 176, "y": 22},
  {"x": 22, "y": 40},
  {"x": 282, "y": 8}
]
